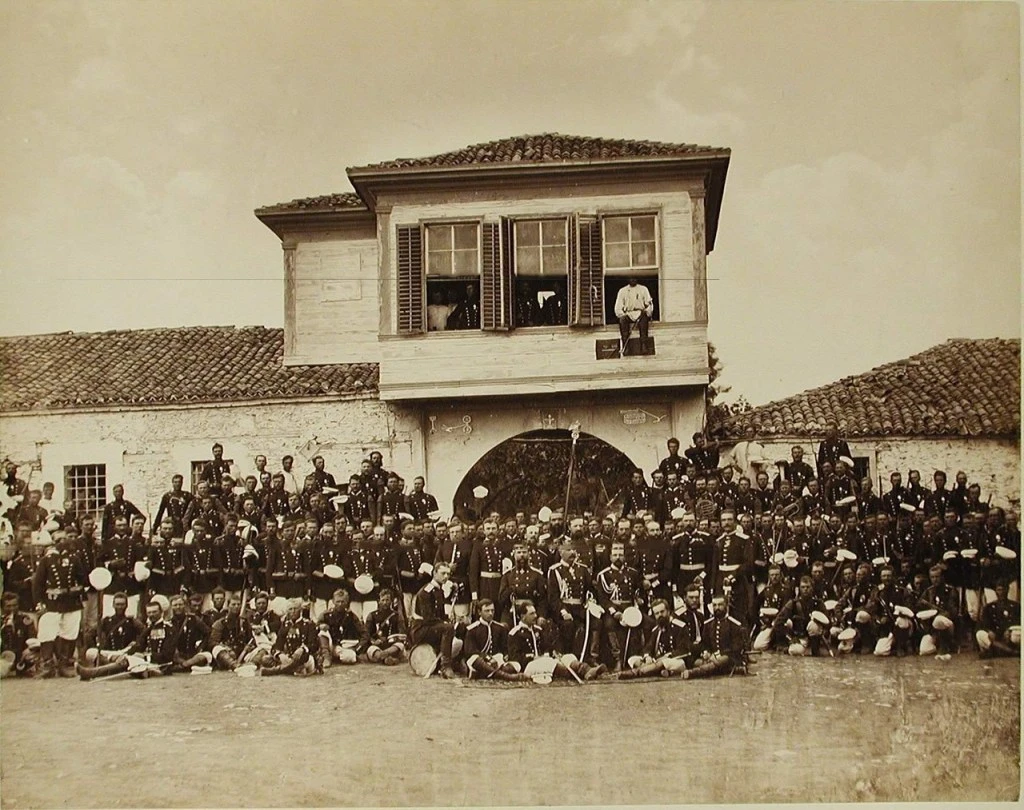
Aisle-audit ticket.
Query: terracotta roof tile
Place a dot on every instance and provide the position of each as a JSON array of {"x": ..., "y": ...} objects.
[
  {"x": 550, "y": 147},
  {"x": 344, "y": 201},
  {"x": 961, "y": 387},
  {"x": 164, "y": 366}
]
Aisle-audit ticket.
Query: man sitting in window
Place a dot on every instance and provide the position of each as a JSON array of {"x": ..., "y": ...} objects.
[{"x": 633, "y": 304}]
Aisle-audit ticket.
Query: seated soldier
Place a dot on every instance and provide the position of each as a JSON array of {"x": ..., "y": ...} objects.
[
  {"x": 232, "y": 640},
  {"x": 999, "y": 627},
  {"x": 152, "y": 653},
  {"x": 668, "y": 647},
  {"x": 191, "y": 635},
  {"x": 17, "y": 634},
  {"x": 296, "y": 650},
  {"x": 428, "y": 623},
  {"x": 722, "y": 643},
  {"x": 486, "y": 647},
  {"x": 116, "y": 635},
  {"x": 342, "y": 635},
  {"x": 385, "y": 630},
  {"x": 531, "y": 649}
]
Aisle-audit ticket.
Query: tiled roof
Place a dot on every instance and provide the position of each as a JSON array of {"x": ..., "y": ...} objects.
[
  {"x": 345, "y": 201},
  {"x": 164, "y": 366},
  {"x": 548, "y": 148},
  {"x": 959, "y": 388}
]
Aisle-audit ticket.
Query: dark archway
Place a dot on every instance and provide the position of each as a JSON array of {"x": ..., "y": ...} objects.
[{"x": 531, "y": 470}]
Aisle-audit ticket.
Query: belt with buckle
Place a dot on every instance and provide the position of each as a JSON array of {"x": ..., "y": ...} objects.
[
  {"x": 728, "y": 568},
  {"x": 490, "y": 575},
  {"x": 692, "y": 567}
]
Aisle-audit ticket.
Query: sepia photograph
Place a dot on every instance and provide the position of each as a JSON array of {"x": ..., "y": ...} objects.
[{"x": 509, "y": 403}]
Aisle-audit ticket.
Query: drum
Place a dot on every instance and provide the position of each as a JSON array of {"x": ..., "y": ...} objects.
[{"x": 422, "y": 659}]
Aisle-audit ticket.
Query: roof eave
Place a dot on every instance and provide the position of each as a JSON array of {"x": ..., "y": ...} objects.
[{"x": 283, "y": 221}]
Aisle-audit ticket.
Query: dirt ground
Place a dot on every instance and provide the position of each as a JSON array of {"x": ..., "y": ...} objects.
[{"x": 806, "y": 730}]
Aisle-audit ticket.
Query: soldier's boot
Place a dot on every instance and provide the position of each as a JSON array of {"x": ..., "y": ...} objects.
[
  {"x": 47, "y": 665},
  {"x": 594, "y": 672},
  {"x": 482, "y": 670},
  {"x": 615, "y": 649},
  {"x": 88, "y": 673},
  {"x": 647, "y": 670},
  {"x": 1002, "y": 648},
  {"x": 701, "y": 671},
  {"x": 279, "y": 666},
  {"x": 446, "y": 671},
  {"x": 65, "y": 654}
]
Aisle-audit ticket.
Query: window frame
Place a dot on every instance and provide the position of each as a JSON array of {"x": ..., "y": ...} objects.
[
  {"x": 426, "y": 225},
  {"x": 96, "y": 491},
  {"x": 639, "y": 270}
]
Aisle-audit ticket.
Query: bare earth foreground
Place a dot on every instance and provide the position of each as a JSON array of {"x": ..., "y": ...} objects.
[{"x": 800, "y": 730}]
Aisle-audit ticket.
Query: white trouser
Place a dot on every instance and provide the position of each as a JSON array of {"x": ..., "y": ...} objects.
[
  {"x": 974, "y": 606},
  {"x": 318, "y": 609},
  {"x": 362, "y": 609},
  {"x": 108, "y": 605},
  {"x": 64, "y": 625},
  {"x": 407, "y": 601}
]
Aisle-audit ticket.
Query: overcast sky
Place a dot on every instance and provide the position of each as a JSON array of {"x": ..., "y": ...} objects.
[{"x": 872, "y": 206}]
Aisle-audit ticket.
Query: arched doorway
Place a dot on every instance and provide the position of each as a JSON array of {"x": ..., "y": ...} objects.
[{"x": 531, "y": 470}]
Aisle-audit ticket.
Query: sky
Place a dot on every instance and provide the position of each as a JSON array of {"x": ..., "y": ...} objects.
[{"x": 872, "y": 207}]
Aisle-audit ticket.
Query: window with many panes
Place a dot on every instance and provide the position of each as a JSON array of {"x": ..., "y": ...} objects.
[
  {"x": 197, "y": 471},
  {"x": 85, "y": 485},
  {"x": 630, "y": 251},
  {"x": 541, "y": 272},
  {"x": 511, "y": 273},
  {"x": 453, "y": 276}
]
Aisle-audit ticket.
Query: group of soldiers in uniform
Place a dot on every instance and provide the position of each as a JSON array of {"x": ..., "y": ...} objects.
[{"x": 272, "y": 576}]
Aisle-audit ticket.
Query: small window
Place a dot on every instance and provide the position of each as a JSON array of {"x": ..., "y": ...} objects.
[
  {"x": 630, "y": 244},
  {"x": 453, "y": 276},
  {"x": 85, "y": 485},
  {"x": 541, "y": 270},
  {"x": 861, "y": 468},
  {"x": 197, "y": 471}
]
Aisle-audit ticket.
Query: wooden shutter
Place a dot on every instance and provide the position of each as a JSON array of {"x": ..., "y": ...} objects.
[
  {"x": 586, "y": 274},
  {"x": 495, "y": 280},
  {"x": 411, "y": 309}
]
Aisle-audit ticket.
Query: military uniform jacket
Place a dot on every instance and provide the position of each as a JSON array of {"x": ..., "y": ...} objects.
[
  {"x": 119, "y": 554},
  {"x": 884, "y": 601},
  {"x": 694, "y": 621},
  {"x": 15, "y": 631},
  {"x": 17, "y": 577},
  {"x": 693, "y": 555},
  {"x": 673, "y": 639},
  {"x": 114, "y": 510},
  {"x": 857, "y": 597},
  {"x": 526, "y": 643},
  {"x": 732, "y": 550},
  {"x": 157, "y": 642},
  {"x": 428, "y": 606},
  {"x": 775, "y": 595},
  {"x": 420, "y": 505},
  {"x": 173, "y": 505},
  {"x": 458, "y": 556},
  {"x": 893, "y": 498},
  {"x": 831, "y": 450},
  {"x": 999, "y": 616},
  {"x": 523, "y": 583},
  {"x": 265, "y": 623},
  {"x": 233, "y": 632},
  {"x": 298, "y": 634},
  {"x": 410, "y": 558},
  {"x": 568, "y": 585},
  {"x": 191, "y": 634},
  {"x": 344, "y": 625},
  {"x": 618, "y": 588},
  {"x": 390, "y": 503},
  {"x": 324, "y": 479},
  {"x": 486, "y": 639},
  {"x": 766, "y": 497},
  {"x": 798, "y": 610},
  {"x": 485, "y": 570},
  {"x": 705, "y": 459},
  {"x": 201, "y": 566},
  {"x": 384, "y": 627},
  {"x": 119, "y": 632},
  {"x": 59, "y": 581},
  {"x": 943, "y": 598},
  {"x": 723, "y": 636},
  {"x": 276, "y": 503},
  {"x": 798, "y": 473},
  {"x": 673, "y": 464},
  {"x": 228, "y": 558},
  {"x": 321, "y": 585},
  {"x": 167, "y": 570},
  {"x": 637, "y": 498}
]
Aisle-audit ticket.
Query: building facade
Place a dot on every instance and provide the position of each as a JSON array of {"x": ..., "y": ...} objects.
[{"x": 450, "y": 304}]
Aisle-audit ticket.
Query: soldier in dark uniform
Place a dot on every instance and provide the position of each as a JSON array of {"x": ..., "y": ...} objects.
[
  {"x": 166, "y": 564},
  {"x": 798, "y": 471},
  {"x": 692, "y": 612},
  {"x": 265, "y": 622},
  {"x": 386, "y": 631},
  {"x": 732, "y": 556},
  {"x": 523, "y": 582},
  {"x": 638, "y": 495},
  {"x": 427, "y": 621},
  {"x": 673, "y": 463},
  {"x": 118, "y": 507},
  {"x": 201, "y": 572},
  {"x": 420, "y": 504},
  {"x": 321, "y": 477},
  {"x": 916, "y": 493},
  {"x": 999, "y": 627},
  {"x": 668, "y": 649},
  {"x": 942, "y": 628},
  {"x": 958, "y": 495},
  {"x": 231, "y": 638},
  {"x": 485, "y": 565},
  {"x": 831, "y": 448},
  {"x": 213, "y": 471},
  {"x": 618, "y": 587},
  {"x": 485, "y": 648},
  {"x": 654, "y": 561},
  {"x": 17, "y": 569},
  {"x": 297, "y": 648},
  {"x": 154, "y": 645},
  {"x": 276, "y": 501},
  {"x": 528, "y": 643},
  {"x": 722, "y": 643},
  {"x": 343, "y": 636},
  {"x": 888, "y": 624},
  {"x": 16, "y": 628},
  {"x": 116, "y": 635},
  {"x": 118, "y": 554},
  {"x": 868, "y": 503},
  {"x": 457, "y": 551},
  {"x": 58, "y": 586},
  {"x": 814, "y": 502},
  {"x": 392, "y": 500},
  {"x": 410, "y": 559},
  {"x": 704, "y": 456},
  {"x": 218, "y": 609},
  {"x": 192, "y": 636},
  {"x": 569, "y": 587}
]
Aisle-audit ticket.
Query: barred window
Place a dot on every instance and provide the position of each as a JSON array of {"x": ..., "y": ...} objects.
[{"x": 85, "y": 485}]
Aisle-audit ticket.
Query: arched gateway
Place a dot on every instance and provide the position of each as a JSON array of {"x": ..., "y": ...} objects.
[{"x": 532, "y": 470}]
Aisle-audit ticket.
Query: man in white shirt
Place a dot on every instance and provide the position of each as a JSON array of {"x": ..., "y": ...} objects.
[
  {"x": 633, "y": 304},
  {"x": 438, "y": 312},
  {"x": 291, "y": 480}
]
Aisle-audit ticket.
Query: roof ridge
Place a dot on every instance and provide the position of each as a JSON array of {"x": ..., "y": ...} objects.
[{"x": 135, "y": 331}]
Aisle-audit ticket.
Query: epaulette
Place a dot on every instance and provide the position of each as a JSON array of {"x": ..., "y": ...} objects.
[
  {"x": 514, "y": 630},
  {"x": 708, "y": 621},
  {"x": 678, "y": 623},
  {"x": 430, "y": 586},
  {"x": 735, "y": 621},
  {"x": 537, "y": 570},
  {"x": 474, "y": 624}
]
